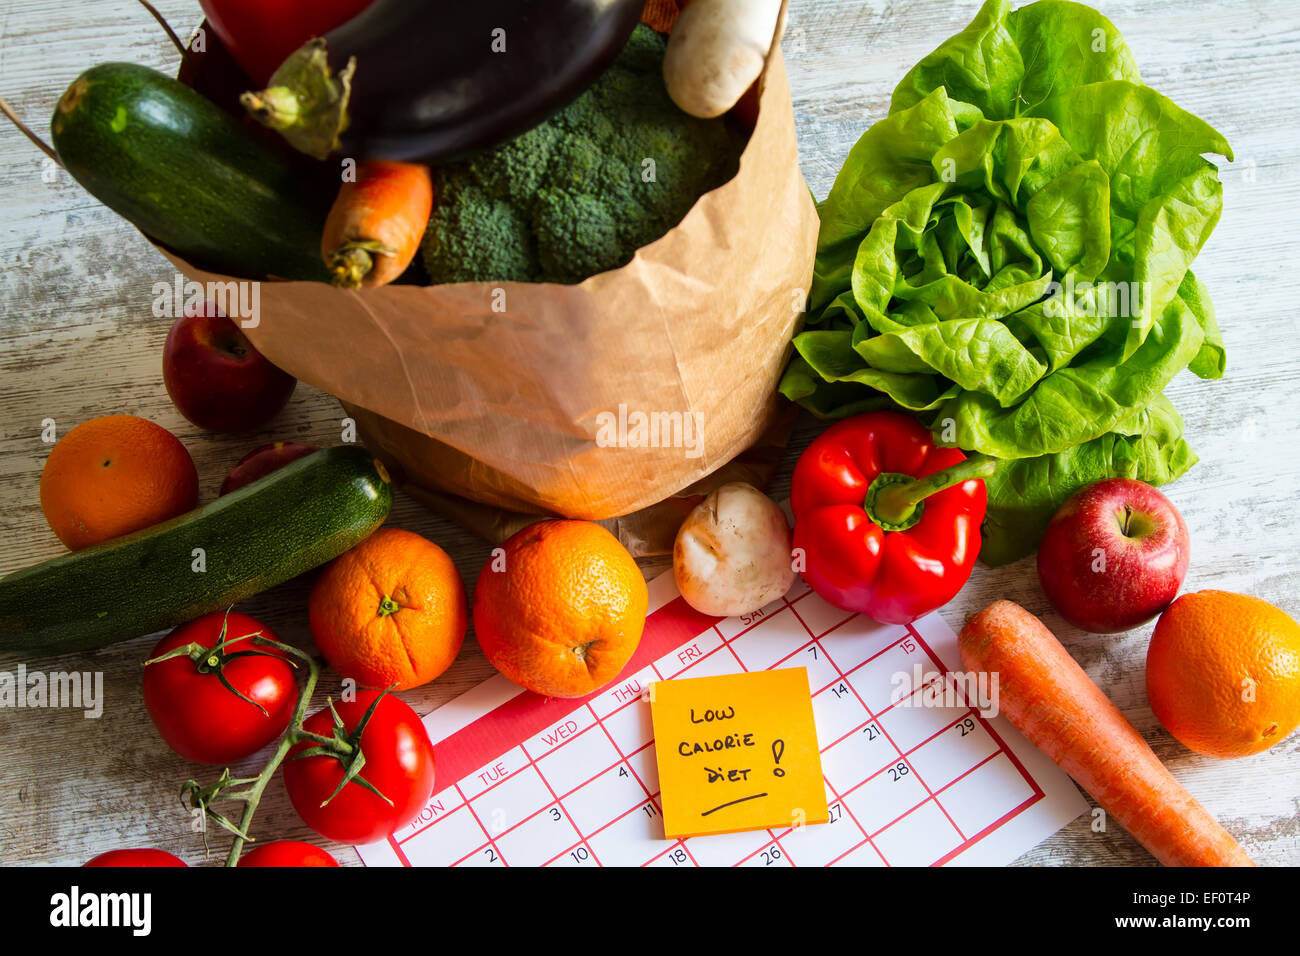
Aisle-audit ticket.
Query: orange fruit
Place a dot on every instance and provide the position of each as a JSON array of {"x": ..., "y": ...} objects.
[
  {"x": 390, "y": 611},
  {"x": 1223, "y": 673},
  {"x": 561, "y": 608},
  {"x": 113, "y": 475}
]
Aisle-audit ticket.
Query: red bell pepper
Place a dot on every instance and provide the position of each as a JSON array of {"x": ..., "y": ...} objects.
[
  {"x": 260, "y": 34},
  {"x": 887, "y": 522}
]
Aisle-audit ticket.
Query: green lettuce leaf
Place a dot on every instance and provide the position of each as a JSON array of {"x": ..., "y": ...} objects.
[
  {"x": 1007, "y": 63},
  {"x": 1008, "y": 254},
  {"x": 1025, "y": 493}
]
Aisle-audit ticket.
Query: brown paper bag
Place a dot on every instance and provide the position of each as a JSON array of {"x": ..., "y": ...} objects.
[{"x": 527, "y": 397}]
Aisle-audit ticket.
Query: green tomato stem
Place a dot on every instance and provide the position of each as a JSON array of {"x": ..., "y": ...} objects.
[{"x": 287, "y": 742}]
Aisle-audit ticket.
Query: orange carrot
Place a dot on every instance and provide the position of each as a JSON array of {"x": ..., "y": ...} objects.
[
  {"x": 662, "y": 14},
  {"x": 375, "y": 227},
  {"x": 1049, "y": 698}
]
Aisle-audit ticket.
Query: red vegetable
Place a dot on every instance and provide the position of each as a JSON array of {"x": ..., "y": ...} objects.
[
  {"x": 887, "y": 521},
  {"x": 287, "y": 853},
  {"x": 135, "y": 858},
  {"x": 398, "y": 763},
  {"x": 1049, "y": 699},
  {"x": 260, "y": 34},
  {"x": 188, "y": 699}
]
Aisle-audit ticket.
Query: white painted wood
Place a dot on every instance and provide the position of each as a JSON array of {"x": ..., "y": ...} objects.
[{"x": 77, "y": 339}]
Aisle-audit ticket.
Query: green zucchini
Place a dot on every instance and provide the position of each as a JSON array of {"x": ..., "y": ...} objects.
[
  {"x": 188, "y": 175},
  {"x": 294, "y": 519}
]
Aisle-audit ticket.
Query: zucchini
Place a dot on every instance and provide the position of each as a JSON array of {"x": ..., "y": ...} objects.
[
  {"x": 294, "y": 519},
  {"x": 189, "y": 175}
]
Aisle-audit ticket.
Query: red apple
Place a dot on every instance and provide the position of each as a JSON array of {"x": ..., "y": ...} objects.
[
  {"x": 1113, "y": 556},
  {"x": 260, "y": 462},
  {"x": 215, "y": 377}
]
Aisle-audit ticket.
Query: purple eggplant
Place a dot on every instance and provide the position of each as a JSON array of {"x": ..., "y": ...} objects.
[{"x": 423, "y": 81}]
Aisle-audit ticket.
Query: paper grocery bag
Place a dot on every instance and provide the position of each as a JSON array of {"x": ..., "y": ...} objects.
[{"x": 595, "y": 400}]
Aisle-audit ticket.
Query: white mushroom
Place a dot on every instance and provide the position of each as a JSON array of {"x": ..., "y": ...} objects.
[
  {"x": 732, "y": 553},
  {"x": 716, "y": 52}
]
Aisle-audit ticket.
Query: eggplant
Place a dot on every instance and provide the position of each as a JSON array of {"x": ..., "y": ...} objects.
[{"x": 419, "y": 81}]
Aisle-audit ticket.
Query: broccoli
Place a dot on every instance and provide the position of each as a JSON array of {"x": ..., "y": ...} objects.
[{"x": 579, "y": 194}]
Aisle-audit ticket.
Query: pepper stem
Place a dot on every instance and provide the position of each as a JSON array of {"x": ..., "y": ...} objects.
[{"x": 894, "y": 501}]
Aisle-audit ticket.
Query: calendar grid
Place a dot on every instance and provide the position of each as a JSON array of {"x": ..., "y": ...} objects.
[
  {"x": 871, "y": 716},
  {"x": 621, "y": 816},
  {"x": 470, "y": 808},
  {"x": 622, "y": 756},
  {"x": 901, "y": 754},
  {"x": 538, "y": 778},
  {"x": 582, "y": 840},
  {"x": 866, "y": 837}
]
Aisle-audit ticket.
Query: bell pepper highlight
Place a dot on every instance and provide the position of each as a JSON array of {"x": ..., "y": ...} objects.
[{"x": 886, "y": 520}]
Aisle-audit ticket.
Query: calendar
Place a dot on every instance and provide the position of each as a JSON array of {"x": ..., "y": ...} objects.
[{"x": 524, "y": 780}]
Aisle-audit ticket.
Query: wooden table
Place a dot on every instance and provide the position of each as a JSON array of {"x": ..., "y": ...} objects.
[{"x": 78, "y": 340}]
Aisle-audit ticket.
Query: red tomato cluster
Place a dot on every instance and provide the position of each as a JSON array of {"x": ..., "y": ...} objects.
[{"x": 224, "y": 696}]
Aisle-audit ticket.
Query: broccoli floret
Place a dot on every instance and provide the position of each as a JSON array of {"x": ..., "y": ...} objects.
[
  {"x": 481, "y": 237},
  {"x": 576, "y": 235},
  {"x": 579, "y": 194}
]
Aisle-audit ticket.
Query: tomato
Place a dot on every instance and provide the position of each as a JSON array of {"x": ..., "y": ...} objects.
[
  {"x": 287, "y": 853},
  {"x": 120, "y": 858},
  {"x": 399, "y": 763},
  {"x": 260, "y": 33},
  {"x": 197, "y": 715}
]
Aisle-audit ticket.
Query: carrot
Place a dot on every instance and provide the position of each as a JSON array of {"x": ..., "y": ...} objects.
[
  {"x": 375, "y": 227},
  {"x": 1049, "y": 698},
  {"x": 662, "y": 14}
]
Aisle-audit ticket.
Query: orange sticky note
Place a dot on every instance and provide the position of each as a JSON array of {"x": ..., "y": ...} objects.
[{"x": 737, "y": 752}]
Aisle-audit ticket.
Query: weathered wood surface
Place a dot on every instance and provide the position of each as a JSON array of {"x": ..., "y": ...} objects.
[{"x": 78, "y": 340}]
